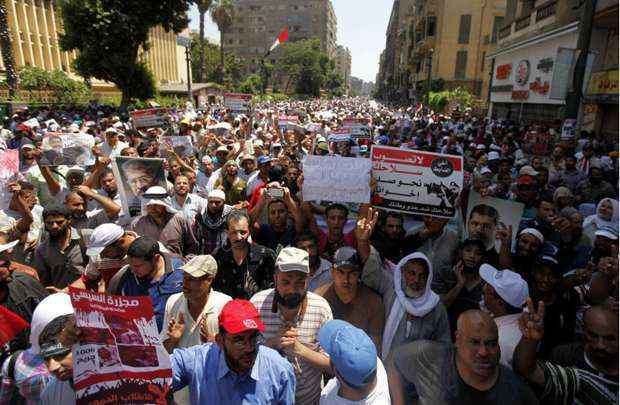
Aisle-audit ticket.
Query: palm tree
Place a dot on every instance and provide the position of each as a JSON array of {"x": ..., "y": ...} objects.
[
  {"x": 7, "y": 51},
  {"x": 222, "y": 13},
  {"x": 203, "y": 7}
]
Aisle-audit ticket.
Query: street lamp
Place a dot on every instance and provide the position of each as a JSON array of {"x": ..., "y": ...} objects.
[
  {"x": 187, "y": 43},
  {"x": 428, "y": 77}
]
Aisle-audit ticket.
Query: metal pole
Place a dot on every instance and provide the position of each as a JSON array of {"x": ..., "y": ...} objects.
[
  {"x": 573, "y": 98},
  {"x": 428, "y": 77},
  {"x": 188, "y": 60}
]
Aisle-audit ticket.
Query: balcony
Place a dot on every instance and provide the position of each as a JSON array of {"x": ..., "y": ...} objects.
[
  {"x": 537, "y": 19},
  {"x": 504, "y": 32},
  {"x": 522, "y": 23},
  {"x": 546, "y": 10}
]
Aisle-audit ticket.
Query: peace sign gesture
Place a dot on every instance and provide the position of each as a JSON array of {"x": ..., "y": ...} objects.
[
  {"x": 531, "y": 323},
  {"x": 365, "y": 226}
]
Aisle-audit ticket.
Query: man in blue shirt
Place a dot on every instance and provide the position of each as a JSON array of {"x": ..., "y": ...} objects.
[
  {"x": 150, "y": 273},
  {"x": 236, "y": 369}
]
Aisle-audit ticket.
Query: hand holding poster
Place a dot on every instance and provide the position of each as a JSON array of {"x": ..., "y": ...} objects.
[
  {"x": 149, "y": 118},
  {"x": 67, "y": 149},
  {"x": 238, "y": 103},
  {"x": 182, "y": 145},
  {"x": 120, "y": 358},
  {"x": 416, "y": 182},
  {"x": 136, "y": 175},
  {"x": 335, "y": 178}
]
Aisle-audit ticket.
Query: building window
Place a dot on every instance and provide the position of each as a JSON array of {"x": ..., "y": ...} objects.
[
  {"x": 430, "y": 25},
  {"x": 464, "y": 28},
  {"x": 460, "y": 65},
  {"x": 498, "y": 22}
]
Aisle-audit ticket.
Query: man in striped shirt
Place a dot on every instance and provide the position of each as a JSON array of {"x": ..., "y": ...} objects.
[{"x": 293, "y": 317}]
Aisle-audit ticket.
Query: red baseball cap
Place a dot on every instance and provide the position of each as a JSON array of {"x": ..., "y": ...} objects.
[{"x": 239, "y": 316}]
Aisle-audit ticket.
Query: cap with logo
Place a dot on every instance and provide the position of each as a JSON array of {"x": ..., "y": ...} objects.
[
  {"x": 350, "y": 350},
  {"x": 509, "y": 285},
  {"x": 293, "y": 259},
  {"x": 239, "y": 316},
  {"x": 200, "y": 265}
]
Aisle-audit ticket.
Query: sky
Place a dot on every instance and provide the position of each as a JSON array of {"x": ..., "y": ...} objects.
[{"x": 361, "y": 28}]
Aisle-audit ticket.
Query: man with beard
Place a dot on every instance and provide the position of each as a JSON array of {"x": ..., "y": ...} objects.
[
  {"x": 504, "y": 295},
  {"x": 412, "y": 310},
  {"x": 468, "y": 373},
  {"x": 481, "y": 225},
  {"x": 235, "y": 369},
  {"x": 388, "y": 238},
  {"x": 20, "y": 292},
  {"x": 293, "y": 317},
  {"x": 530, "y": 242},
  {"x": 61, "y": 258},
  {"x": 588, "y": 379},
  {"x": 460, "y": 288},
  {"x": 245, "y": 268},
  {"x": 232, "y": 185},
  {"x": 350, "y": 300},
  {"x": 210, "y": 225},
  {"x": 279, "y": 231},
  {"x": 75, "y": 202},
  {"x": 184, "y": 201},
  {"x": 163, "y": 223},
  {"x": 320, "y": 269},
  {"x": 149, "y": 272},
  {"x": 593, "y": 189},
  {"x": 203, "y": 176},
  {"x": 568, "y": 177},
  {"x": 248, "y": 164}
]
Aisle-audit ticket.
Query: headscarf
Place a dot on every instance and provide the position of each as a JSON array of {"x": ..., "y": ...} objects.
[
  {"x": 418, "y": 307},
  {"x": 600, "y": 222},
  {"x": 50, "y": 308}
]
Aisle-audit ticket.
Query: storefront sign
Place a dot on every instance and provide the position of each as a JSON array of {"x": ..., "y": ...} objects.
[
  {"x": 503, "y": 71},
  {"x": 545, "y": 65},
  {"x": 538, "y": 87},
  {"x": 523, "y": 72},
  {"x": 603, "y": 83},
  {"x": 507, "y": 88},
  {"x": 520, "y": 94}
]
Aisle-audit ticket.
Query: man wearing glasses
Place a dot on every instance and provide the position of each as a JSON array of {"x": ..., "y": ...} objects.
[{"x": 236, "y": 369}]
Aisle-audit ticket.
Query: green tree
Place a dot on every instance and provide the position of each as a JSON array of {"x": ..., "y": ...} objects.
[
  {"x": 222, "y": 12},
  {"x": 203, "y": 7},
  {"x": 63, "y": 89},
  {"x": 7, "y": 51},
  {"x": 252, "y": 84},
  {"x": 108, "y": 36},
  {"x": 306, "y": 66}
]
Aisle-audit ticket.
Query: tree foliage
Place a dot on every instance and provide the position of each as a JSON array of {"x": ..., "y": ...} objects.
[
  {"x": 438, "y": 101},
  {"x": 222, "y": 13},
  {"x": 307, "y": 66},
  {"x": 109, "y": 34},
  {"x": 211, "y": 68},
  {"x": 63, "y": 89}
]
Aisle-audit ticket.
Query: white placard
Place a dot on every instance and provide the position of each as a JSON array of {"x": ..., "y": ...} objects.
[{"x": 337, "y": 179}]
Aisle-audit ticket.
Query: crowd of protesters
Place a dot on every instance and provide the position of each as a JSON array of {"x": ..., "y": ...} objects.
[{"x": 261, "y": 297}]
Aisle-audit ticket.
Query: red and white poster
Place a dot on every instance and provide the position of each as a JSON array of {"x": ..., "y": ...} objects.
[
  {"x": 416, "y": 182},
  {"x": 149, "y": 118},
  {"x": 120, "y": 359},
  {"x": 238, "y": 102},
  {"x": 358, "y": 127}
]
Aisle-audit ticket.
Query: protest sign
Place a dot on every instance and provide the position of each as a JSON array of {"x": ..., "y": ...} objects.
[
  {"x": 499, "y": 214},
  {"x": 120, "y": 358},
  {"x": 339, "y": 135},
  {"x": 358, "y": 127},
  {"x": 288, "y": 122},
  {"x": 238, "y": 103},
  {"x": 69, "y": 149},
  {"x": 337, "y": 179},
  {"x": 182, "y": 145},
  {"x": 149, "y": 118},
  {"x": 568, "y": 129},
  {"x": 9, "y": 168},
  {"x": 135, "y": 176},
  {"x": 416, "y": 182}
]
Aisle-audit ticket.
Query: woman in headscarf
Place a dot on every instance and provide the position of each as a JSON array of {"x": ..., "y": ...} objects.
[{"x": 606, "y": 216}]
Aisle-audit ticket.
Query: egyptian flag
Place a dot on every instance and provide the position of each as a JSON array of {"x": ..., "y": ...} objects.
[
  {"x": 283, "y": 37},
  {"x": 10, "y": 325}
]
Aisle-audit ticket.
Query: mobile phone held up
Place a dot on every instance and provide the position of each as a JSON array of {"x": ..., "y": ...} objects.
[{"x": 275, "y": 192}]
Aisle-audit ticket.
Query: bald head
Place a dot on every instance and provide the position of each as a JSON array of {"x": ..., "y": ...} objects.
[
  {"x": 476, "y": 320},
  {"x": 601, "y": 335},
  {"x": 600, "y": 315}
]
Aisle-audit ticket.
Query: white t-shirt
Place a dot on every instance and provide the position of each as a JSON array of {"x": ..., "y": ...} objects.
[{"x": 379, "y": 396}]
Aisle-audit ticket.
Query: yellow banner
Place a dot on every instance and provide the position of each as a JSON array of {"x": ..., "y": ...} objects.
[{"x": 603, "y": 83}]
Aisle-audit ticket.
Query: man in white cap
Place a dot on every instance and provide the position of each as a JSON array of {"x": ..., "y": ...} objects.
[
  {"x": 112, "y": 146},
  {"x": 530, "y": 241},
  {"x": 504, "y": 295},
  {"x": 293, "y": 317},
  {"x": 204, "y": 185},
  {"x": 163, "y": 223},
  {"x": 27, "y": 159},
  {"x": 248, "y": 164},
  {"x": 210, "y": 224}
]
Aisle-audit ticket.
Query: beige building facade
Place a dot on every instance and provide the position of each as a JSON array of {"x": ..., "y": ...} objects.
[
  {"x": 343, "y": 64},
  {"x": 35, "y": 27}
]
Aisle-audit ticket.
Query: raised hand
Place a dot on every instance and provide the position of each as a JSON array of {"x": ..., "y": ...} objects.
[
  {"x": 531, "y": 323},
  {"x": 205, "y": 336},
  {"x": 365, "y": 226},
  {"x": 176, "y": 328}
]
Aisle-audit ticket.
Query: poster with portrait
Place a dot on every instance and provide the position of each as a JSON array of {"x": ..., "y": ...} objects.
[
  {"x": 238, "y": 103},
  {"x": 70, "y": 149},
  {"x": 135, "y": 176},
  {"x": 416, "y": 182},
  {"x": 9, "y": 169},
  {"x": 182, "y": 145},
  {"x": 487, "y": 215},
  {"x": 150, "y": 118},
  {"x": 120, "y": 358}
]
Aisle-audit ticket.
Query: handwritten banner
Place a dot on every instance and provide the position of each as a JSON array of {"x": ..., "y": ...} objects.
[
  {"x": 120, "y": 358},
  {"x": 337, "y": 179},
  {"x": 416, "y": 182}
]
